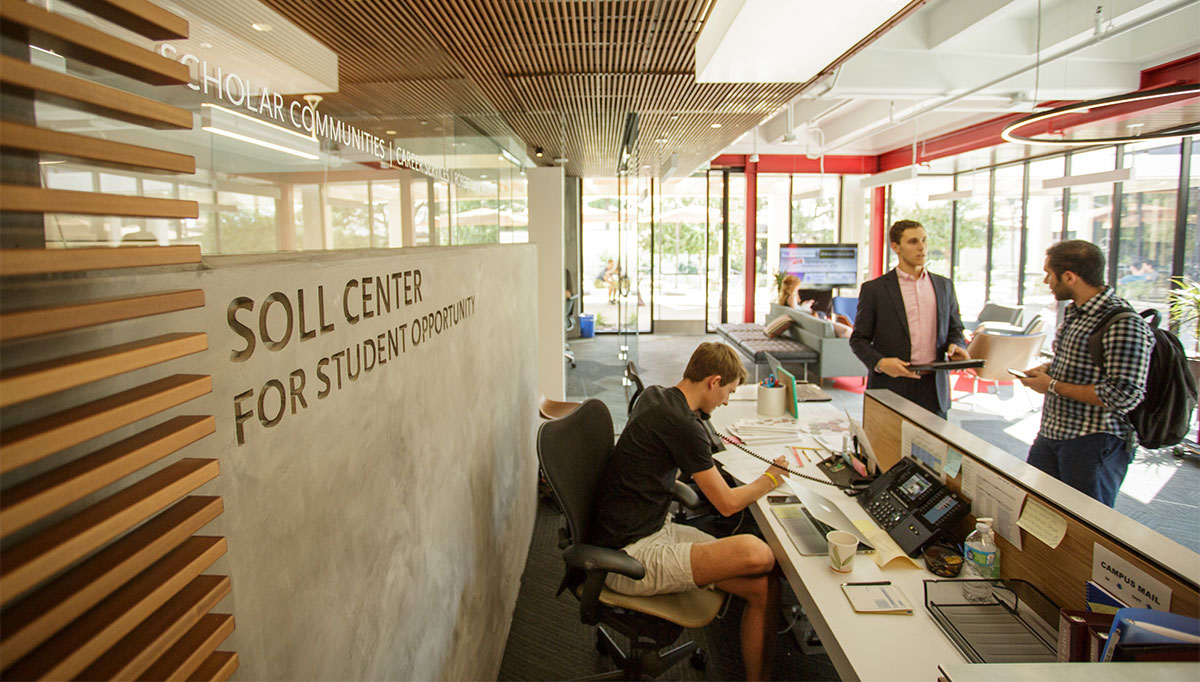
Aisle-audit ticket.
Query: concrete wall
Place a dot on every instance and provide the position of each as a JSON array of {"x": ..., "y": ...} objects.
[{"x": 380, "y": 531}]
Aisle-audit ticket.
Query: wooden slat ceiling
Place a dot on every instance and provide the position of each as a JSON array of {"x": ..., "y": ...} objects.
[{"x": 562, "y": 74}]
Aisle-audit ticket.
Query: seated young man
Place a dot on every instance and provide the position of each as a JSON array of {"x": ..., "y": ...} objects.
[{"x": 664, "y": 437}]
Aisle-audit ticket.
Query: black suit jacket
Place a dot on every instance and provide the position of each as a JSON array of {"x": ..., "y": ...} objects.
[{"x": 881, "y": 331}]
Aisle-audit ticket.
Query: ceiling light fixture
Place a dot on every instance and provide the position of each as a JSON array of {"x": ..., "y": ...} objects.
[
  {"x": 389, "y": 132},
  {"x": 561, "y": 160},
  {"x": 538, "y": 152},
  {"x": 261, "y": 27},
  {"x": 1187, "y": 97},
  {"x": 238, "y": 126},
  {"x": 716, "y": 125},
  {"x": 628, "y": 140}
]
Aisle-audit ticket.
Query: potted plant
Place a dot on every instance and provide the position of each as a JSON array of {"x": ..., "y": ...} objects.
[{"x": 1185, "y": 310}]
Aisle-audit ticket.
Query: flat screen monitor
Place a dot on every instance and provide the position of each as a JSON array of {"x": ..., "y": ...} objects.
[{"x": 820, "y": 266}]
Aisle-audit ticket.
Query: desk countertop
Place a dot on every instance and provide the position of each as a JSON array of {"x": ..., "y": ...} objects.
[{"x": 862, "y": 646}]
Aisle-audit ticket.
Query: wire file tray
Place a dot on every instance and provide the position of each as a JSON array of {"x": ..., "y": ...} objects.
[{"x": 1017, "y": 623}]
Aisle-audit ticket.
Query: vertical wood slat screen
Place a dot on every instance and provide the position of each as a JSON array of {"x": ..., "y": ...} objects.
[{"x": 116, "y": 589}]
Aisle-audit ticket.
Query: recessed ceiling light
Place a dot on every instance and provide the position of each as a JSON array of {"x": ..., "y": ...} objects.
[
  {"x": 483, "y": 176},
  {"x": 261, "y": 27},
  {"x": 389, "y": 132},
  {"x": 716, "y": 125},
  {"x": 205, "y": 44},
  {"x": 673, "y": 117},
  {"x": 661, "y": 140},
  {"x": 424, "y": 123}
]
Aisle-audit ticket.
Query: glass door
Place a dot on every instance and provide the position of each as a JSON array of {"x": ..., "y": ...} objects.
[{"x": 680, "y": 240}]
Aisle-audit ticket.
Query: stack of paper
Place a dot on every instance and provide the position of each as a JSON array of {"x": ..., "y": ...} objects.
[{"x": 765, "y": 431}]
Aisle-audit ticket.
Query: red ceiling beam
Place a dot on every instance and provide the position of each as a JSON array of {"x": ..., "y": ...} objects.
[
  {"x": 1179, "y": 72},
  {"x": 799, "y": 163}
]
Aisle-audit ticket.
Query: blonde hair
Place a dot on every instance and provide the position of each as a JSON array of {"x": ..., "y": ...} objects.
[
  {"x": 715, "y": 358},
  {"x": 789, "y": 284}
]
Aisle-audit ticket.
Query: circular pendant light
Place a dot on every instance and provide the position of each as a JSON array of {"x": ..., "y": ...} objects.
[{"x": 1159, "y": 114}]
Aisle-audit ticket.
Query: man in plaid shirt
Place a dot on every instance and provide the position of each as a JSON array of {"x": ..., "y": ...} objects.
[{"x": 1085, "y": 440}]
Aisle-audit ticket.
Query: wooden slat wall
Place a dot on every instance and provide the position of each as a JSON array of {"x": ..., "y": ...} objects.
[
  {"x": 114, "y": 587},
  {"x": 1061, "y": 572}
]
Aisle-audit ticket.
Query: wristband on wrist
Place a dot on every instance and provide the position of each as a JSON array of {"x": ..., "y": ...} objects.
[{"x": 774, "y": 481}]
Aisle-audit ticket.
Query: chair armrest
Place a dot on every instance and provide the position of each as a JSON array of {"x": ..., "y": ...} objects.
[
  {"x": 686, "y": 496},
  {"x": 593, "y": 558}
]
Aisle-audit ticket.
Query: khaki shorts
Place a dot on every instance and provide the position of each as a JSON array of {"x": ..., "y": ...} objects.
[{"x": 667, "y": 556}]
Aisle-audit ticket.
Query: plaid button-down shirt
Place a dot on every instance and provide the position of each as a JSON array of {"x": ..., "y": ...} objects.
[{"x": 1120, "y": 385}]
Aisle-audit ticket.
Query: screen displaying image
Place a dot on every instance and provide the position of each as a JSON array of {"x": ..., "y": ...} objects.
[
  {"x": 939, "y": 510},
  {"x": 914, "y": 486},
  {"x": 820, "y": 266}
]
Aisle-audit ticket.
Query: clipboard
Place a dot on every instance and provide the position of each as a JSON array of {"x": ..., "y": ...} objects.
[{"x": 789, "y": 392}]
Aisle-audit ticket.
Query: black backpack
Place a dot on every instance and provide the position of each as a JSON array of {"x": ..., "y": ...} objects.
[{"x": 1163, "y": 417}]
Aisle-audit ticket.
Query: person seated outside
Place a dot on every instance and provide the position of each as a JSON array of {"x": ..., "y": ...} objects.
[
  {"x": 666, "y": 436},
  {"x": 1142, "y": 270}
]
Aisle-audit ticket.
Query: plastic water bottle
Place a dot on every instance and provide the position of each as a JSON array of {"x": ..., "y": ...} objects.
[{"x": 982, "y": 561}]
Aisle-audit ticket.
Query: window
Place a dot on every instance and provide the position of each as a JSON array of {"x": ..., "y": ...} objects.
[
  {"x": 772, "y": 222},
  {"x": 1008, "y": 216},
  {"x": 1044, "y": 227},
  {"x": 1146, "y": 246},
  {"x": 970, "y": 238}
]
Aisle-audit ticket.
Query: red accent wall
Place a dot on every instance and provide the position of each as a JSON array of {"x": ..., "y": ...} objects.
[
  {"x": 751, "y": 264},
  {"x": 878, "y": 236}
]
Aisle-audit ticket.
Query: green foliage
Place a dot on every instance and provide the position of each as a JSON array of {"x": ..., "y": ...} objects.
[
  {"x": 246, "y": 232},
  {"x": 1185, "y": 306}
]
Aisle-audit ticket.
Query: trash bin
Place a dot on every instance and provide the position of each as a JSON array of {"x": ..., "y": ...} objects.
[{"x": 587, "y": 325}]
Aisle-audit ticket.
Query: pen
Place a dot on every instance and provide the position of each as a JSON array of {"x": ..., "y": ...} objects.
[{"x": 885, "y": 582}]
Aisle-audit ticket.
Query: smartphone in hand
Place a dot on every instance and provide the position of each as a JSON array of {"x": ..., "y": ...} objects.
[{"x": 1018, "y": 374}]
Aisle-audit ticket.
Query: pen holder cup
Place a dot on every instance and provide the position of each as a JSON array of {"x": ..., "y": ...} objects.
[{"x": 770, "y": 401}]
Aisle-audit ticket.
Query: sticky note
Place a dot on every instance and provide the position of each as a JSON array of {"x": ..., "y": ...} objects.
[{"x": 1042, "y": 522}]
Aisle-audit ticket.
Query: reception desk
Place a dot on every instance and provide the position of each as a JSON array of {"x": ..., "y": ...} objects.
[{"x": 893, "y": 647}]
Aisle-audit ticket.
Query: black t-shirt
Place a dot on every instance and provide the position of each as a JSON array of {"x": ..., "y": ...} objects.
[{"x": 663, "y": 436}]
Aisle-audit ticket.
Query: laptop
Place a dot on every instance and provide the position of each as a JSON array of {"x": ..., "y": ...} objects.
[{"x": 808, "y": 520}]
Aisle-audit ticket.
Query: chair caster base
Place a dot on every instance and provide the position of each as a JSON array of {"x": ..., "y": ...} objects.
[{"x": 699, "y": 660}]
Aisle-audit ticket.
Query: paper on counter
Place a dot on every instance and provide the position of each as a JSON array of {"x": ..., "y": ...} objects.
[
  {"x": 1043, "y": 523},
  {"x": 886, "y": 549},
  {"x": 954, "y": 460},
  {"x": 995, "y": 497},
  {"x": 917, "y": 442},
  {"x": 970, "y": 474}
]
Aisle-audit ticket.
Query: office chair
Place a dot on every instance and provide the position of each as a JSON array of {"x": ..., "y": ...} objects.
[
  {"x": 994, "y": 312},
  {"x": 1001, "y": 352},
  {"x": 568, "y": 325},
  {"x": 632, "y": 374},
  {"x": 555, "y": 409},
  {"x": 573, "y": 452}
]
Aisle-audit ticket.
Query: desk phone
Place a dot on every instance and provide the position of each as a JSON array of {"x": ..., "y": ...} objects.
[{"x": 912, "y": 505}]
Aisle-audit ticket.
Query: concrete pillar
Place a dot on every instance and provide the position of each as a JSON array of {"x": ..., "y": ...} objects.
[
  {"x": 407, "y": 214},
  {"x": 546, "y": 228}
]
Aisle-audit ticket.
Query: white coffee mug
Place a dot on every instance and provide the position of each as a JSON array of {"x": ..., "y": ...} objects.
[
  {"x": 842, "y": 548},
  {"x": 770, "y": 401}
]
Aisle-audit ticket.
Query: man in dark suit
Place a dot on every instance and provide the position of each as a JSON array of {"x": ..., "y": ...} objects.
[{"x": 909, "y": 316}]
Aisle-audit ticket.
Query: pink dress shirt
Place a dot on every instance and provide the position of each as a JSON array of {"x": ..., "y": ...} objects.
[{"x": 920, "y": 305}]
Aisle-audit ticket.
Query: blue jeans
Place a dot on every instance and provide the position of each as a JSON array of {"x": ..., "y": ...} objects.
[{"x": 1094, "y": 464}]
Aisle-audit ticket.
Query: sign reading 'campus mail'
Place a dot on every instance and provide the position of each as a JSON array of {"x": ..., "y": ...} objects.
[{"x": 1128, "y": 583}]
